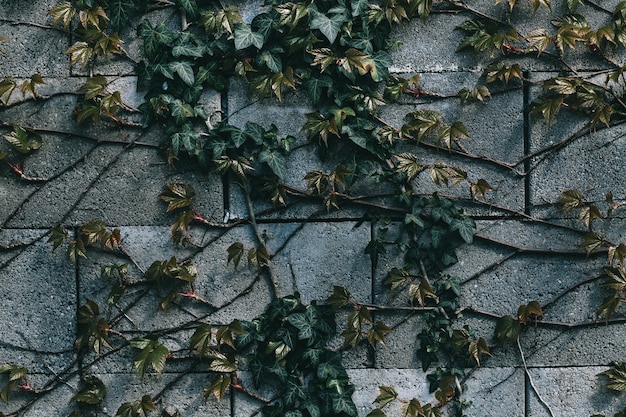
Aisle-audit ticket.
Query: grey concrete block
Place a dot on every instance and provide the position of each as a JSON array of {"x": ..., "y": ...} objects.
[
  {"x": 495, "y": 392},
  {"x": 400, "y": 350},
  {"x": 36, "y": 283},
  {"x": 33, "y": 12},
  {"x": 496, "y": 128},
  {"x": 502, "y": 139},
  {"x": 317, "y": 256},
  {"x": 32, "y": 50},
  {"x": 527, "y": 278},
  {"x": 572, "y": 391}
]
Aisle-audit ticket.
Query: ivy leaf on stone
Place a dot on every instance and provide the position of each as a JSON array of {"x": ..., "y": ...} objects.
[
  {"x": 339, "y": 298},
  {"x": 530, "y": 311},
  {"x": 386, "y": 395},
  {"x": 152, "y": 355},
  {"x": 507, "y": 330},
  {"x": 7, "y": 86},
  {"x": 58, "y": 236},
  {"x": 178, "y": 196},
  {"x": 24, "y": 140},
  {"x": 450, "y": 134},
  {"x": 317, "y": 86},
  {"x": 235, "y": 252},
  {"x": 377, "y": 333},
  {"x": 616, "y": 376},
  {"x": 218, "y": 387},
  {"x": 29, "y": 86},
  {"x": 93, "y": 390},
  {"x": 63, "y": 12},
  {"x": 138, "y": 408}
]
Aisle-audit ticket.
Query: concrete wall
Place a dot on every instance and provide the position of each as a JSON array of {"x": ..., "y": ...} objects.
[{"x": 76, "y": 177}]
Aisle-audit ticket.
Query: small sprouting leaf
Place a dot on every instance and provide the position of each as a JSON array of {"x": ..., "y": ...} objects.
[
  {"x": 24, "y": 140},
  {"x": 478, "y": 347},
  {"x": 220, "y": 362},
  {"x": 93, "y": 391},
  {"x": 15, "y": 372},
  {"x": 75, "y": 249},
  {"x": 507, "y": 330},
  {"x": 452, "y": 133},
  {"x": 480, "y": 188},
  {"x": 592, "y": 241},
  {"x": 153, "y": 354},
  {"x": 178, "y": 196},
  {"x": 530, "y": 311},
  {"x": 29, "y": 86},
  {"x": 138, "y": 408},
  {"x": 93, "y": 330},
  {"x": 421, "y": 291},
  {"x": 547, "y": 107},
  {"x": 93, "y": 87},
  {"x": 58, "y": 236},
  {"x": 201, "y": 339},
  {"x": 407, "y": 164},
  {"x": 423, "y": 123},
  {"x": 235, "y": 252}
]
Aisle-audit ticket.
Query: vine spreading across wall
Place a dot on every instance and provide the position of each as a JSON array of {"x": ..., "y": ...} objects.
[{"x": 336, "y": 53}]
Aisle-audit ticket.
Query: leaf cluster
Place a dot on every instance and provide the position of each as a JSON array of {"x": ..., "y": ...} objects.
[{"x": 287, "y": 344}]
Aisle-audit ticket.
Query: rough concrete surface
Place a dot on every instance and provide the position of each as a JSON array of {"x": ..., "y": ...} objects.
[{"x": 525, "y": 249}]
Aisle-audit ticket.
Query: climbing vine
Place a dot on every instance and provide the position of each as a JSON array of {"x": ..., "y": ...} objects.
[{"x": 336, "y": 53}]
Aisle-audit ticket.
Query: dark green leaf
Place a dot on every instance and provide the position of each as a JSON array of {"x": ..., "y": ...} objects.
[
  {"x": 93, "y": 391},
  {"x": 245, "y": 37}
]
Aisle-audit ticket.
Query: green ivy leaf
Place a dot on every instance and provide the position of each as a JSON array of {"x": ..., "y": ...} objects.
[
  {"x": 119, "y": 12},
  {"x": 465, "y": 227},
  {"x": 184, "y": 71},
  {"x": 329, "y": 26},
  {"x": 245, "y": 37},
  {"x": 190, "y": 7},
  {"x": 275, "y": 160},
  {"x": 317, "y": 86}
]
